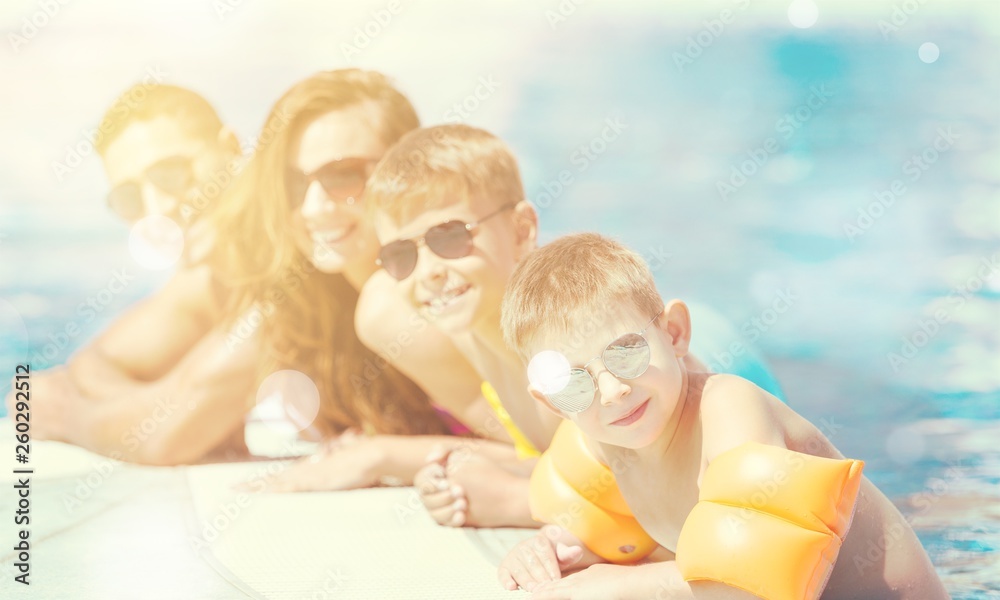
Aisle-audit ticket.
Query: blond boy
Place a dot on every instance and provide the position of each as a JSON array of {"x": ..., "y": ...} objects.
[
  {"x": 448, "y": 208},
  {"x": 671, "y": 431}
]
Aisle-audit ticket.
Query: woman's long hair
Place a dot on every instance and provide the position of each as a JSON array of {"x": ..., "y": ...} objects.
[{"x": 307, "y": 316}]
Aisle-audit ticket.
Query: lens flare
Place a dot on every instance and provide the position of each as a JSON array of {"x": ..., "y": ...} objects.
[{"x": 549, "y": 372}]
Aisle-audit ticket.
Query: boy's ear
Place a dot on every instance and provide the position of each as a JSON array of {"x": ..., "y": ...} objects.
[
  {"x": 537, "y": 394},
  {"x": 525, "y": 228},
  {"x": 675, "y": 321}
]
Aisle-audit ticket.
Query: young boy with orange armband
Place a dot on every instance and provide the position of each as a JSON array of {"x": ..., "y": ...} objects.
[{"x": 741, "y": 495}]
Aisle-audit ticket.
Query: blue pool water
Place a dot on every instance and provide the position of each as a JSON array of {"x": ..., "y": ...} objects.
[{"x": 774, "y": 179}]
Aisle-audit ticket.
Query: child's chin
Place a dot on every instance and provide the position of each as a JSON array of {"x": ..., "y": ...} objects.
[
  {"x": 452, "y": 320},
  {"x": 638, "y": 439}
]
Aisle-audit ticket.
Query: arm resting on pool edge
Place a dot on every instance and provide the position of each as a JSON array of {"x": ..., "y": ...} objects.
[
  {"x": 180, "y": 418},
  {"x": 149, "y": 340}
]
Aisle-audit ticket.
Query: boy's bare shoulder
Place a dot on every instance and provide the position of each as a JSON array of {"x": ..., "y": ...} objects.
[{"x": 734, "y": 411}]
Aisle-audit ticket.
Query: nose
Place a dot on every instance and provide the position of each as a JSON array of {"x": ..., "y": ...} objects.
[
  {"x": 316, "y": 202},
  {"x": 612, "y": 390},
  {"x": 430, "y": 272},
  {"x": 157, "y": 202}
]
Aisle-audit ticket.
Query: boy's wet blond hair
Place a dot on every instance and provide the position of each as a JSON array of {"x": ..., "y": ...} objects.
[
  {"x": 571, "y": 285},
  {"x": 437, "y": 166}
]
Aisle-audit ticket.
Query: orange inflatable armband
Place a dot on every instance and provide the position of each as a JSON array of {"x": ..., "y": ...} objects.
[
  {"x": 572, "y": 489},
  {"x": 769, "y": 521}
]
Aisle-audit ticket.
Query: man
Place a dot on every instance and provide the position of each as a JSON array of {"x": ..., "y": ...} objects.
[{"x": 159, "y": 385}]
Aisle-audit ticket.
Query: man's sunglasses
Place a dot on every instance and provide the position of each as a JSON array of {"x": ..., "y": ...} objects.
[
  {"x": 343, "y": 180},
  {"x": 451, "y": 239},
  {"x": 626, "y": 358},
  {"x": 174, "y": 175}
]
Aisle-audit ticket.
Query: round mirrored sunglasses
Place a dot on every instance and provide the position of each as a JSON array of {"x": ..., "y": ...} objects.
[{"x": 627, "y": 357}]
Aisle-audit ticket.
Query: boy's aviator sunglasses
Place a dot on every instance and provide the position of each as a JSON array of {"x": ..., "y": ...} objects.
[
  {"x": 626, "y": 358},
  {"x": 451, "y": 239}
]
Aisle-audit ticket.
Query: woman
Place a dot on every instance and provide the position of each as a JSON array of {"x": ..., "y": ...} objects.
[{"x": 298, "y": 249}]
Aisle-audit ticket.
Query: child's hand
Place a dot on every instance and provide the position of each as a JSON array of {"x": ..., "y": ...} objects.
[
  {"x": 445, "y": 502},
  {"x": 537, "y": 560},
  {"x": 597, "y": 582}
]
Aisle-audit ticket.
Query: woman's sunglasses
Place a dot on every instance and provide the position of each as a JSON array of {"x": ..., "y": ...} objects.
[
  {"x": 451, "y": 239},
  {"x": 174, "y": 175},
  {"x": 626, "y": 358},
  {"x": 343, "y": 180}
]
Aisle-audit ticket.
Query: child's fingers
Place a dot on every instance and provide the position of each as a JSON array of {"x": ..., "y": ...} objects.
[
  {"x": 535, "y": 566},
  {"x": 551, "y": 590},
  {"x": 516, "y": 571},
  {"x": 541, "y": 547},
  {"x": 451, "y": 515},
  {"x": 442, "y": 516},
  {"x": 506, "y": 580},
  {"x": 438, "y": 454},
  {"x": 437, "y": 500},
  {"x": 551, "y": 563},
  {"x": 429, "y": 477},
  {"x": 568, "y": 555}
]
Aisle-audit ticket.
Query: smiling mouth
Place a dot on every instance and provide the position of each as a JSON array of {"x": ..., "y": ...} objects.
[
  {"x": 633, "y": 415},
  {"x": 326, "y": 238},
  {"x": 444, "y": 299}
]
